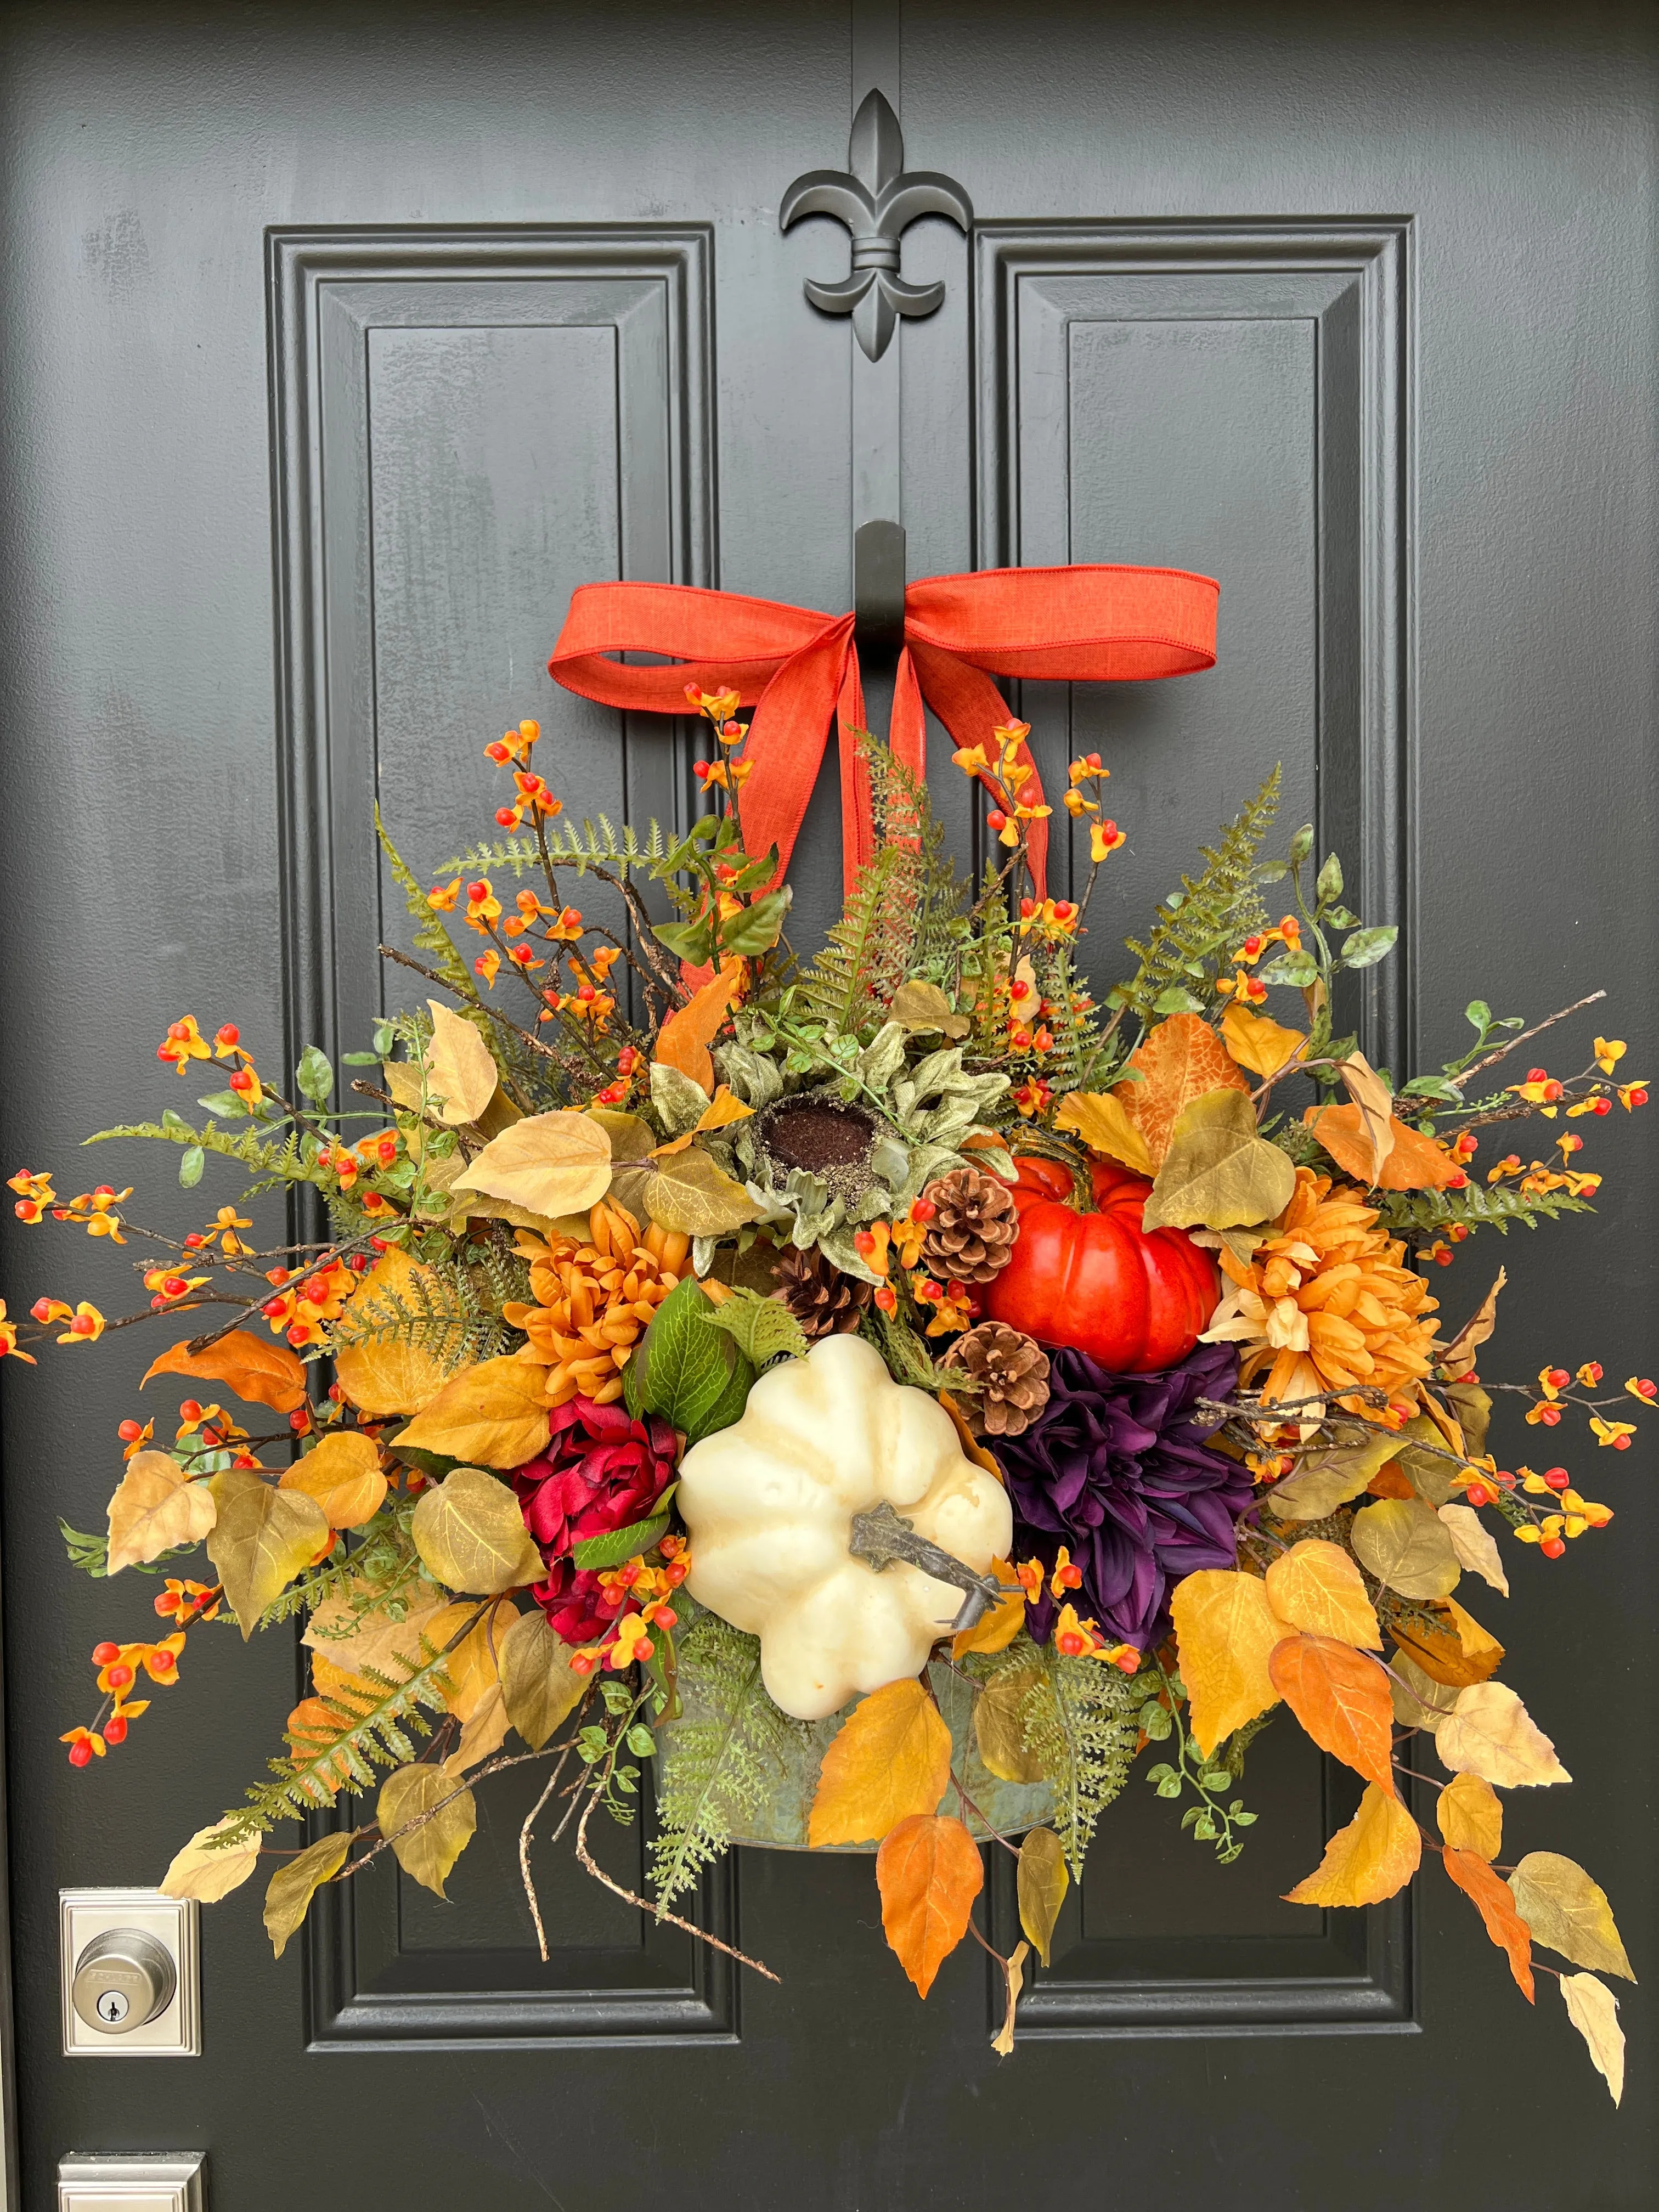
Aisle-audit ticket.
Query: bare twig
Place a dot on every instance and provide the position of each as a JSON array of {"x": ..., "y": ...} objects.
[
  {"x": 1525, "y": 1037},
  {"x": 661, "y": 1912}
]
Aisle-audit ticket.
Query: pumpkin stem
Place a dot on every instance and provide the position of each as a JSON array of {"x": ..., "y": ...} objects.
[{"x": 882, "y": 1534}]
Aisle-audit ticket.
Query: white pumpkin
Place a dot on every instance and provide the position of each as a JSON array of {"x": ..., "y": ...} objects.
[{"x": 769, "y": 1503}]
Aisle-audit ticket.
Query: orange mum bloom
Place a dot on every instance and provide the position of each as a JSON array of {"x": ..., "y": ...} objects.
[
  {"x": 1327, "y": 1303},
  {"x": 594, "y": 1301}
]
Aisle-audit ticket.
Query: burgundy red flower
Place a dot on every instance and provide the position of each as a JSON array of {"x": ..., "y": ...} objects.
[{"x": 602, "y": 1470}]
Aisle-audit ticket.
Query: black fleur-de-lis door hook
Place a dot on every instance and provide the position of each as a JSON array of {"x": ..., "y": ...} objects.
[{"x": 877, "y": 202}]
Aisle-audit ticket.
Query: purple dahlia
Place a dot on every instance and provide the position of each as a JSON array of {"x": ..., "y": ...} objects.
[{"x": 1117, "y": 1468}]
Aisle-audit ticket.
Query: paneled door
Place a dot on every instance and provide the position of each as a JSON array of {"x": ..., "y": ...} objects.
[{"x": 340, "y": 344}]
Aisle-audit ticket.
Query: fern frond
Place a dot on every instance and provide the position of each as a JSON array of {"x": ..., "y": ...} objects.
[
  {"x": 600, "y": 844},
  {"x": 863, "y": 960},
  {"x": 369, "y": 1721},
  {"x": 456, "y": 1320},
  {"x": 277, "y": 1162},
  {"x": 719, "y": 1762},
  {"x": 1422, "y": 1212},
  {"x": 430, "y": 935},
  {"x": 1079, "y": 1720},
  {"x": 1203, "y": 919}
]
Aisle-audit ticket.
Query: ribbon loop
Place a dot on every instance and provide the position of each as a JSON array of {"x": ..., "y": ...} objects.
[{"x": 797, "y": 668}]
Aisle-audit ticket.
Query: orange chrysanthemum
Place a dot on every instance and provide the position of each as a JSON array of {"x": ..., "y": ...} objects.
[
  {"x": 594, "y": 1301},
  {"x": 1327, "y": 1303}
]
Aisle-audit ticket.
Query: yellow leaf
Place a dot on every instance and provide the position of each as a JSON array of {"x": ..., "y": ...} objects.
[
  {"x": 552, "y": 1163},
  {"x": 1374, "y": 1856},
  {"x": 1218, "y": 1173},
  {"x": 288, "y": 1899},
  {"x": 1182, "y": 1060},
  {"x": 918, "y": 1008},
  {"x": 1374, "y": 1102},
  {"x": 263, "y": 1373},
  {"x": 1264, "y": 1047},
  {"x": 1000, "y": 1726},
  {"x": 1470, "y": 1816},
  {"x": 1458, "y": 1357},
  {"x": 1404, "y": 1543},
  {"x": 995, "y": 1630},
  {"x": 1042, "y": 1884},
  {"x": 1013, "y": 1972},
  {"x": 206, "y": 1874},
  {"x": 1594, "y": 2011},
  {"x": 470, "y": 1535},
  {"x": 1316, "y": 1586},
  {"x": 428, "y": 1819},
  {"x": 351, "y": 1639},
  {"x": 482, "y": 1733},
  {"x": 493, "y": 1414},
  {"x": 722, "y": 1110},
  {"x": 343, "y": 1473},
  {"x": 1226, "y": 1629},
  {"x": 262, "y": 1538},
  {"x": 890, "y": 1759},
  {"x": 684, "y": 1038},
  {"x": 1104, "y": 1124},
  {"x": 1325, "y": 1479},
  {"x": 385, "y": 1375},
  {"x": 929, "y": 1873},
  {"x": 1418, "y": 1700},
  {"x": 1568, "y": 1912},
  {"x": 540, "y": 1686},
  {"x": 474, "y": 1666},
  {"x": 691, "y": 1195},
  {"x": 460, "y": 1073},
  {"x": 156, "y": 1508},
  {"x": 1490, "y": 1733},
  {"x": 1475, "y": 1545}
]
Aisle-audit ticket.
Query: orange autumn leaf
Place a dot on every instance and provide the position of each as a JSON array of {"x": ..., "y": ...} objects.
[
  {"x": 1182, "y": 1060},
  {"x": 1449, "y": 1644},
  {"x": 1415, "y": 1162},
  {"x": 1375, "y": 1856},
  {"x": 929, "y": 1873},
  {"x": 1495, "y": 1902},
  {"x": 343, "y": 1473},
  {"x": 1342, "y": 1699},
  {"x": 263, "y": 1373},
  {"x": 891, "y": 1759},
  {"x": 996, "y": 1629},
  {"x": 684, "y": 1038}
]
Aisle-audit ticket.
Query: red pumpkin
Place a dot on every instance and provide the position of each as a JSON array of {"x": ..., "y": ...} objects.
[{"x": 1132, "y": 1298}]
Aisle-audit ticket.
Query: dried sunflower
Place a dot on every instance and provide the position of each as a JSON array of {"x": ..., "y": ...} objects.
[
  {"x": 594, "y": 1301},
  {"x": 1326, "y": 1303}
]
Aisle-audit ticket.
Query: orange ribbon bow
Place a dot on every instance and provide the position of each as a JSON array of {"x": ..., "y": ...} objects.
[{"x": 797, "y": 668}]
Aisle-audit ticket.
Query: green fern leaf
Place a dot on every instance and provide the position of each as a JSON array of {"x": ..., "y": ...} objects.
[
  {"x": 721, "y": 1760},
  {"x": 1080, "y": 1719},
  {"x": 1203, "y": 919}
]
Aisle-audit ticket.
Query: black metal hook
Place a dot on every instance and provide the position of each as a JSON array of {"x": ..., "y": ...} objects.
[{"x": 878, "y": 586}]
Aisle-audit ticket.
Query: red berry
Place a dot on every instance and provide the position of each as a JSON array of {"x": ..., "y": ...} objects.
[
  {"x": 166, "y": 1602},
  {"x": 119, "y": 1677},
  {"x": 586, "y": 995},
  {"x": 1458, "y": 1182},
  {"x": 228, "y": 1034},
  {"x": 581, "y": 1663},
  {"x": 1638, "y": 1096},
  {"x": 507, "y": 817},
  {"x": 1558, "y": 1478},
  {"x": 923, "y": 1210},
  {"x": 161, "y": 1662},
  {"x": 102, "y": 1654},
  {"x": 1064, "y": 909},
  {"x": 81, "y": 1754},
  {"x": 115, "y": 1728},
  {"x": 479, "y": 890},
  {"x": 1027, "y": 908},
  {"x": 996, "y": 819},
  {"x": 1552, "y": 1548},
  {"x": 1538, "y": 1075},
  {"x": 128, "y": 1433},
  {"x": 298, "y": 1334},
  {"x": 273, "y": 1308},
  {"x": 379, "y": 1244},
  {"x": 194, "y": 1242},
  {"x": 190, "y": 1409},
  {"x": 1600, "y": 1105},
  {"x": 1478, "y": 1494},
  {"x": 300, "y": 1422},
  {"x": 1558, "y": 1378},
  {"x": 242, "y": 1081}
]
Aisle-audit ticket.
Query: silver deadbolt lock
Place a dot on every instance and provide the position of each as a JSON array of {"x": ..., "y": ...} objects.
[{"x": 124, "y": 1979}]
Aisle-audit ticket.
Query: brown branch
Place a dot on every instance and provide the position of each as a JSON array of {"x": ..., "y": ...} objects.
[
  {"x": 1525, "y": 1037},
  {"x": 661, "y": 1912}
]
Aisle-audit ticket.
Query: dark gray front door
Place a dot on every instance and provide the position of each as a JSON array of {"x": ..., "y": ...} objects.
[{"x": 457, "y": 308}]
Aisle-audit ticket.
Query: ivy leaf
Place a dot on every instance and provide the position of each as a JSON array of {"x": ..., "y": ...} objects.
[
  {"x": 287, "y": 1899},
  {"x": 1372, "y": 1858},
  {"x": 343, "y": 1473},
  {"x": 1316, "y": 1587},
  {"x": 1495, "y": 1906},
  {"x": 1469, "y": 1815},
  {"x": 470, "y": 1535},
  {"x": 492, "y": 1413},
  {"x": 1568, "y": 1912},
  {"x": 691, "y": 941},
  {"x": 1043, "y": 1882},
  {"x": 1367, "y": 946},
  {"x": 1342, "y": 1699},
  {"x": 1490, "y": 1733},
  {"x": 929, "y": 1873},
  {"x": 265, "y": 1373},
  {"x": 761, "y": 1328},
  {"x": 191, "y": 1161},
  {"x": 207, "y": 1874},
  {"x": 1405, "y": 1544},
  {"x": 1594, "y": 2011},
  {"x": 1227, "y": 1631},
  {"x": 1296, "y": 968},
  {"x": 541, "y": 1687},
  {"x": 462, "y": 1075},
  {"x": 1327, "y": 886},
  {"x": 156, "y": 1509},
  {"x": 1217, "y": 1172},
  {"x": 549, "y": 1163},
  {"x": 428, "y": 1820},
  {"x": 890, "y": 1760},
  {"x": 261, "y": 1540}
]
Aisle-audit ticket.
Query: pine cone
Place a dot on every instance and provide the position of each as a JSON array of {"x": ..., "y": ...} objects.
[
  {"x": 1012, "y": 1370},
  {"x": 823, "y": 1301},
  {"x": 971, "y": 1236}
]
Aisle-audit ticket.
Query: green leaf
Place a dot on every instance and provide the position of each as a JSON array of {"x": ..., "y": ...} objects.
[
  {"x": 314, "y": 1076},
  {"x": 1296, "y": 968},
  {"x": 1478, "y": 1014},
  {"x": 694, "y": 1375},
  {"x": 1177, "y": 1001},
  {"x": 1217, "y": 1172},
  {"x": 1329, "y": 882},
  {"x": 191, "y": 1164},
  {"x": 1367, "y": 946},
  {"x": 618, "y": 1546},
  {"x": 1302, "y": 844},
  {"x": 686, "y": 941},
  {"x": 761, "y": 1328},
  {"x": 1271, "y": 871},
  {"x": 222, "y": 1102},
  {"x": 174, "y": 1123},
  {"x": 1432, "y": 1086},
  {"x": 757, "y": 928},
  {"x": 362, "y": 1059}
]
